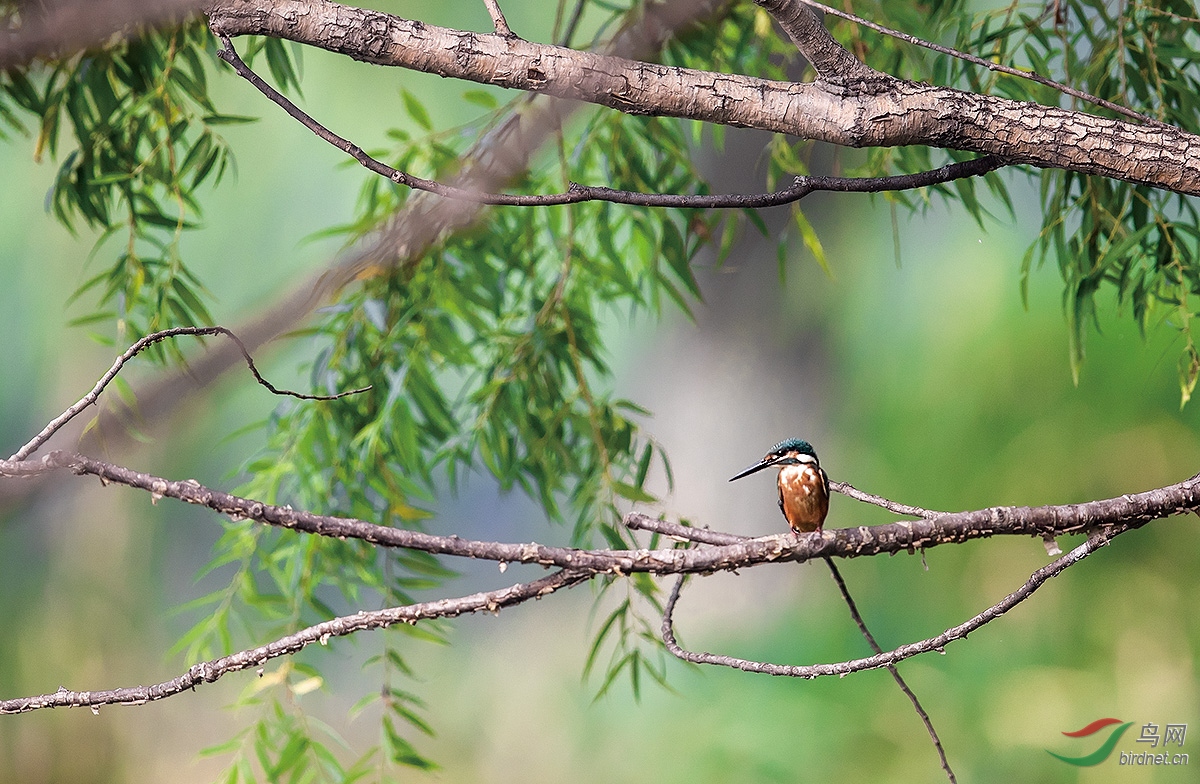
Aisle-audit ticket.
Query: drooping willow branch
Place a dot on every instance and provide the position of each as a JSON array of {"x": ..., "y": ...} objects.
[
  {"x": 802, "y": 185},
  {"x": 499, "y": 156}
]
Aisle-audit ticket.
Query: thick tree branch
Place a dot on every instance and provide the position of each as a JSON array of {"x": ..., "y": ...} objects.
[
  {"x": 802, "y": 185},
  {"x": 879, "y": 112},
  {"x": 210, "y": 671},
  {"x": 938, "y": 643}
]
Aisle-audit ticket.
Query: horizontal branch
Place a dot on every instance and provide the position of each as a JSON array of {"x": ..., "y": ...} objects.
[
  {"x": 209, "y": 671},
  {"x": 889, "y": 658},
  {"x": 686, "y": 533},
  {"x": 802, "y": 185},
  {"x": 858, "y": 113},
  {"x": 908, "y": 535}
]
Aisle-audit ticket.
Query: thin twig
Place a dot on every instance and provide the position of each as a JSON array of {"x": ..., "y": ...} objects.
[
  {"x": 991, "y": 66},
  {"x": 683, "y": 533},
  {"x": 800, "y": 187},
  {"x": 498, "y": 20},
  {"x": 881, "y": 660},
  {"x": 891, "y": 668},
  {"x": 209, "y": 671},
  {"x": 140, "y": 346},
  {"x": 705, "y": 536},
  {"x": 901, "y": 509}
]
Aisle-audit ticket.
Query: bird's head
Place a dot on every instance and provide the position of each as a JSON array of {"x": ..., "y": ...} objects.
[{"x": 793, "y": 451}]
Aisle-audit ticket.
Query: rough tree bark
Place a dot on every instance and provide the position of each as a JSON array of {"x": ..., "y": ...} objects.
[{"x": 853, "y": 108}]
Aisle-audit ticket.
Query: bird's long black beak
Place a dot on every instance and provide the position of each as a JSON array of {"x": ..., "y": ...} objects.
[{"x": 766, "y": 462}]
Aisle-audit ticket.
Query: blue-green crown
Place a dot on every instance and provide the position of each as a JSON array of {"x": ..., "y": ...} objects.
[{"x": 794, "y": 445}]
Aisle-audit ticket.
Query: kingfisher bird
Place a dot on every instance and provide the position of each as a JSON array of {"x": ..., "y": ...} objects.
[{"x": 803, "y": 486}]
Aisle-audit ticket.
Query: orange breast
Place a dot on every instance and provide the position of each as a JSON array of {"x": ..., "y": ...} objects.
[{"x": 803, "y": 497}]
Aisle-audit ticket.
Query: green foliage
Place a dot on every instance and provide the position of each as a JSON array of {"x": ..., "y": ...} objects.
[
  {"x": 142, "y": 140},
  {"x": 485, "y": 355},
  {"x": 630, "y": 635},
  {"x": 137, "y": 136},
  {"x": 1138, "y": 244},
  {"x": 1102, "y": 233}
]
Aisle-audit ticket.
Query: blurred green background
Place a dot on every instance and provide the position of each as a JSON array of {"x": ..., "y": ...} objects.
[{"x": 922, "y": 378}]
